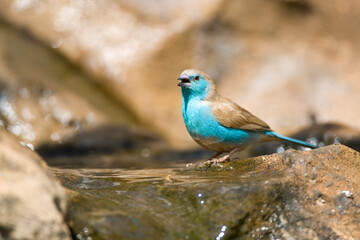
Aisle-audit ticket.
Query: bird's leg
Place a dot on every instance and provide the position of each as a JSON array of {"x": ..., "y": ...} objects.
[
  {"x": 215, "y": 155},
  {"x": 224, "y": 158},
  {"x": 213, "y": 158}
]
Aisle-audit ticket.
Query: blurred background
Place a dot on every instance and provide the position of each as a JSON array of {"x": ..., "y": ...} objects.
[{"x": 88, "y": 76}]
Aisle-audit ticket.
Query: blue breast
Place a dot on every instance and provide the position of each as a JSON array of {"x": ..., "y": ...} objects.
[{"x": 202, "y": 125}]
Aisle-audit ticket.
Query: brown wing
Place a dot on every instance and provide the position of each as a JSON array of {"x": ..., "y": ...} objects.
[{"x": 231, "y": 115}]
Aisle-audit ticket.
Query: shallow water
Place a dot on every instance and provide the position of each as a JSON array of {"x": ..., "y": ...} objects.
[{"x": 167, "y": 203}]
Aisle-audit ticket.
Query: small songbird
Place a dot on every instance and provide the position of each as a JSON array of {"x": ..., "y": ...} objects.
[{"x": 217, "y": 123}]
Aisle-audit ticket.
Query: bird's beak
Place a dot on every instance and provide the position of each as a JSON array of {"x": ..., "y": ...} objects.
[{"x": 185, "y": 81}]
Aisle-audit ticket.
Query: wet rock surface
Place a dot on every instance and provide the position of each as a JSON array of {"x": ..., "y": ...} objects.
[
  {"x": 32, "y": 204},
  {"x": 291, "y": 195}
]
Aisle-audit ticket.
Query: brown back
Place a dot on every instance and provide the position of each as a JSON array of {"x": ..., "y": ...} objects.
[{"x": 231, "y": 115}]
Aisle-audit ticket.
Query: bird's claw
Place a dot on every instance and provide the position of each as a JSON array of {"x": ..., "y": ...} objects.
[{"x": 218, "y": 160}]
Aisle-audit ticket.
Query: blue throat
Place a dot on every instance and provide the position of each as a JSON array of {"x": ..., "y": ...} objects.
[{"x": 189, "y": 94}]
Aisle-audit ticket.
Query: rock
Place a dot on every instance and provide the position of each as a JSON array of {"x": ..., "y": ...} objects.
[
  {"x": 263, "y": 61},
  {"x": 126, "y": 38},
  {"x": 32, "y": 204},
  {"x": 291, "y": 195},
  {"x": 320, "y": 184},
  {"x": 43, "y": 98}
]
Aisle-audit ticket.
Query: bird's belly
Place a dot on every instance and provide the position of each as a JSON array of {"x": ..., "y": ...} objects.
[{"x": 218, "y": 146}]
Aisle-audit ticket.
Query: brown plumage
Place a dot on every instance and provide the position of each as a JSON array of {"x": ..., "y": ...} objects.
[{"x": 231, "y": 115}]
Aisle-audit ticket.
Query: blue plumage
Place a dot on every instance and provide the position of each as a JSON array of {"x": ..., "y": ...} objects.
[
  {"x": 203, "y": 127},
  {"x": 293, "y": 140},
  {"x": 217, "y": 123}
]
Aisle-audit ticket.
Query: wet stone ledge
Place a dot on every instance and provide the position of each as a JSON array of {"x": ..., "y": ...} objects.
[{"x": 291, "y": 195}]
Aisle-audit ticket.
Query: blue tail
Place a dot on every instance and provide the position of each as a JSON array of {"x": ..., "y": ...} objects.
[{"x": 293, "y": 140}]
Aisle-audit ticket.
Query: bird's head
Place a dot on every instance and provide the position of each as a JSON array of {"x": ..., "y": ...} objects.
[{"x": 196, "y": 83}]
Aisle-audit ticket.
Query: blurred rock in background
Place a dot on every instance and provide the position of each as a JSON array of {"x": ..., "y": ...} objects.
[
  {"x": 284, "y": 60},
  {"x": 43, "y": 97}
]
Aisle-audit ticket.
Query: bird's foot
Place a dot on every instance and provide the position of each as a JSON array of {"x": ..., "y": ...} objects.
[{"x": 223, "y": 159}]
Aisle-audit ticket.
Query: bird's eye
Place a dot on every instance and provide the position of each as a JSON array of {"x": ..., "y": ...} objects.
[{"x": 197, "y": 78}]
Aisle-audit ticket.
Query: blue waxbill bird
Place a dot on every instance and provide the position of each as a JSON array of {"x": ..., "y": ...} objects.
[{"x": 217, "y": 123}]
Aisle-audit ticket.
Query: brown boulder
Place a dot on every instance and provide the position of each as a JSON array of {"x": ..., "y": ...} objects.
[{"x": 32, "y": 204}]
